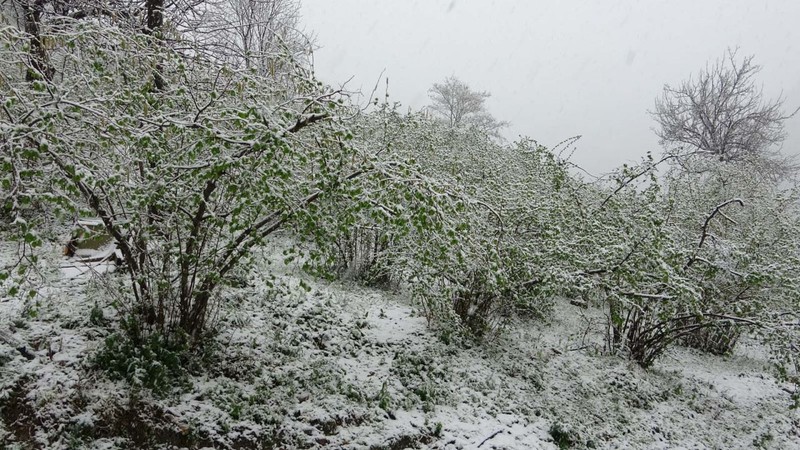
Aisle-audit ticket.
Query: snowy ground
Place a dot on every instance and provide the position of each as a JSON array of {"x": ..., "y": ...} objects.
[{"x": 346, "y": 367}]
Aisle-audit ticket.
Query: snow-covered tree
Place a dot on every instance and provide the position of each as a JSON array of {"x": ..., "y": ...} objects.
[
  {"x": 722, "y": 113},
  {"x": 459, "y": 105},
  {"x": 258, "y": 35}
]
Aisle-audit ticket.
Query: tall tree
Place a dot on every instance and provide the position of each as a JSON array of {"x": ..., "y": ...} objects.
[
  {"x": 722, "y": 113},
  {"x": 459, "y": 105},
  {"x": 262, "y": 36}
]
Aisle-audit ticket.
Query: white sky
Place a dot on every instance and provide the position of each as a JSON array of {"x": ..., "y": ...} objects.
[{"x": 557, "y": 68}]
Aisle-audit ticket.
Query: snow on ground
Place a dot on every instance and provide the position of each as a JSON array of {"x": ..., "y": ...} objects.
[{"x": 340, "y": 366}]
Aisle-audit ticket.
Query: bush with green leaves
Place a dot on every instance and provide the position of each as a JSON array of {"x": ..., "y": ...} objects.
[
  {"x": 717, "y": 339},
  {"x": 187, "y": 177},
  {"x": 706, "y": 249},
  {"x": 426, "y": 377},
  {"x": 562, "y": 436},
  {"x": 152, "y": 362},
  {"x": 454, "y": 213}
]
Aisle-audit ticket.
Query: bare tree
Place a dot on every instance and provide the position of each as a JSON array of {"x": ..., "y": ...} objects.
[
  {"x": 257, "y": 35},
  {"x": 722, "y": 113},
  {"x": 262, "y": 28},
  {"x": 458, "y": 104}
]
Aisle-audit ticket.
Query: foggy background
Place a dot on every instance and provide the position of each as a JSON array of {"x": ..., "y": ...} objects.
[{"x": 557, "y": 69}]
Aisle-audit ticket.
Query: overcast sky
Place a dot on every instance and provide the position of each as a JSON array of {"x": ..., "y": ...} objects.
[{"x": 556, "y": 69}]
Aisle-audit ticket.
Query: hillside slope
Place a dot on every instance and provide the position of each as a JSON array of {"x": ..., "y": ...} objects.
[{"x": 339, "y": 366}]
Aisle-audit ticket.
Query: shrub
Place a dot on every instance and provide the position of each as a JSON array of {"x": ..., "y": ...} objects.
[
  {"x": 363, "y": 255},
  {"x": 562, "y": 436},
  {"x": 155, "y": 362},
  {"x": 717, "y": 338},
  {"x": 255, "y": 154}
]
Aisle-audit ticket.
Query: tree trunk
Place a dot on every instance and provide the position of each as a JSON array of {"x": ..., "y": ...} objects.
[
  {"x": 39, "y": 65},
  {"x": 155, "y": 22}
]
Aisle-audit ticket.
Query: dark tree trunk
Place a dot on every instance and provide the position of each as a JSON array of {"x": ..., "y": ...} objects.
[
  {"x": 40, "y": 66},
  {"x": 155, "y": 22}
]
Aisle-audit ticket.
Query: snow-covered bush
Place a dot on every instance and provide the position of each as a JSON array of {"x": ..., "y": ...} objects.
[
  {"x": 717, "y": 339},
  {"x": 708, "y": 249},
  {"x": 453, "y": 214},
  {"x": 187, "y": 178}
]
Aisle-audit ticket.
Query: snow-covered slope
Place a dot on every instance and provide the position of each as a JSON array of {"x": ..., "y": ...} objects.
[{"x": 341, "y": 366}]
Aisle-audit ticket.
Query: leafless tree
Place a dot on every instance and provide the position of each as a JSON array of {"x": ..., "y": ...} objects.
[
  {"x": 261, "y": 27},
  {"x": 722, "y": 113},
  {"x": 458, "y": 104},
  {"x": 258, "y": 35}
]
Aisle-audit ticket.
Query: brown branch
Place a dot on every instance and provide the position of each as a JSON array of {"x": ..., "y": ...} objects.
[
  {"x": 705, "y": 233},
  {"x": 490, "y": 437},
  {"x": 96, "y": 204},
  {"x": 276, "y": 219},
  {"x": 197, "y": 221},
  {"x": 306, "y": 121},
  {"x": 625, "y": 183}
]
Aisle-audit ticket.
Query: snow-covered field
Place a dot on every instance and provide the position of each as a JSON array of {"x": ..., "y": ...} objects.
[{"x": 341, "y": 366}]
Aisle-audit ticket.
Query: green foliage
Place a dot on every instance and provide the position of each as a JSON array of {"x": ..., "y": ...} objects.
[
  {"x": 440, "y": 207},
  {"x": 187, "y": 179},
  {"x": 562, "y": 437},
  {"x": 426, "y": 375},
  {"x": 96, "y": 316},
  {"x": 384, "y": 398},
  {"x": 700, "y": 253},
  {"x": 5, "y": 358},
  {"x": 763, "y": 440},
  {"x": 717, "y": 338},
  {"x": 153, "y": 362}
]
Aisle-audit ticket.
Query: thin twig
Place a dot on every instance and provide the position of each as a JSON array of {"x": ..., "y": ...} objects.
[{"x": 490, "y": 437}]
